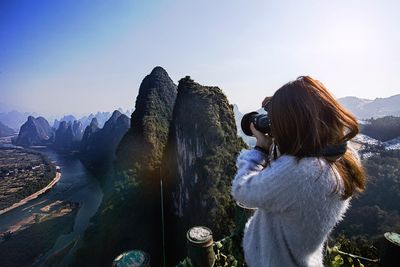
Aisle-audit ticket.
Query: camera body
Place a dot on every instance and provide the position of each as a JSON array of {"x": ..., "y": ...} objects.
[{"x": 261, "y": 122}]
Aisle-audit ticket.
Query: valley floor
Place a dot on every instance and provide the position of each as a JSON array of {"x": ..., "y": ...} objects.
[{"x": 23, "y": 176}]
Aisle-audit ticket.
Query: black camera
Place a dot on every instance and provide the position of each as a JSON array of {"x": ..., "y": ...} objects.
[{"x": 261, "y": 122}]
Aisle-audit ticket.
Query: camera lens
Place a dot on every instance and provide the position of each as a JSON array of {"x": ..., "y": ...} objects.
[{"x": 261, "y": 122}]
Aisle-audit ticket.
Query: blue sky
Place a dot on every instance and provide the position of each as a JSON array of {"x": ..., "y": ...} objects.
[{"x": 59, "y": 57}]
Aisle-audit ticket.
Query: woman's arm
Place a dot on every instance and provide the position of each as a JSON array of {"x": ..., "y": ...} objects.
[{"x": 256, "y": 185}]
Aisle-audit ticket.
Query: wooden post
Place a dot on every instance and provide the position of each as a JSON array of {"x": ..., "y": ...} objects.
[
  {"x": 390, "y": 249},
  {"x": 200, "y": 246}
]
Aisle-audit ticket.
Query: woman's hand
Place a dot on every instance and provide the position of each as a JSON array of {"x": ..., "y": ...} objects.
[{"x": 263, "y": 141}]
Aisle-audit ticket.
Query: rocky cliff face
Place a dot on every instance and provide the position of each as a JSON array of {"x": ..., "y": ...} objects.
[
  {"x": 63, "y": 137},
  {"x": 98, "y": 146},
  {"x": 187, "y": 137},
  {"x": 77, "y": 130},
  {"x": 87, "y": 140},
  {"x": 68, "y": 135},
  {"x": 145, "y": 141},
  {"x": 133, "y": 207},
  {"x": 34, "y": 132},
  {"x": 139, "y": 157},
  {"x": 199, "y": 163}
]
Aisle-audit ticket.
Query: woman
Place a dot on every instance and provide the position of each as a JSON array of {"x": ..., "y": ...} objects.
[{"x": 302, "y": 194}]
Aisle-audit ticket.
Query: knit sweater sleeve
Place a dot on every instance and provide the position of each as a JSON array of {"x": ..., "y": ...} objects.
[{"x": 256, "y": 185}]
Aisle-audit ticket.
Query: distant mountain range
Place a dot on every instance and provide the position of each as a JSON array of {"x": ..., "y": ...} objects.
[
  {"x": 14, "y": 119},
  {"x": 101, "y": 118},
  {"x": 95, "y": 144},
  {"x": 366, "y": 108},
  {"x": 360, "y": 107},
  {"x": 5, "y": 130}
]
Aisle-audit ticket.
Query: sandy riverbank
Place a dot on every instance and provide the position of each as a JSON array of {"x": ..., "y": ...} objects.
[
  {"x": 34, "y": 195},
  {"x": 31, "y": 242}
]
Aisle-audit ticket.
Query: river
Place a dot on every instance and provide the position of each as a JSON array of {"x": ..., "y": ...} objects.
[{"x": 78, "y": 185}]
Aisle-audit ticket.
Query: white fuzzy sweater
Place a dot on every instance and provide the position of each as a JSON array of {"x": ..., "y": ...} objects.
[{"x": 296, "y": 208}]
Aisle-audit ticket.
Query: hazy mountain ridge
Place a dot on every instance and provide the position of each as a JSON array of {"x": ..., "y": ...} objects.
[
  {"x": 15, "y": 119},
  {"x": 95, "y": 145},
  {"x": 101, "y": 117},
  {"x": 65, "y": 118},
  {"x": 5, "y": 130},
  {"x": 366, "y": 108}
]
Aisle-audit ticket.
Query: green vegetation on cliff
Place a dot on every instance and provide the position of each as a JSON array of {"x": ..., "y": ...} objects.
[
  {"x": 142, "y": 146},
  {"x": 130, "y": 214},
  {"x": 199, "y": 164},
  {"x": 383, "y": 129},
  {"x": 376, "y": 211},
  {"x": 192, "y": 144}
]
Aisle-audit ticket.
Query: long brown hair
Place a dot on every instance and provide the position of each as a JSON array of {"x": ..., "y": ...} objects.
[{"x": 305, "y": 118}]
